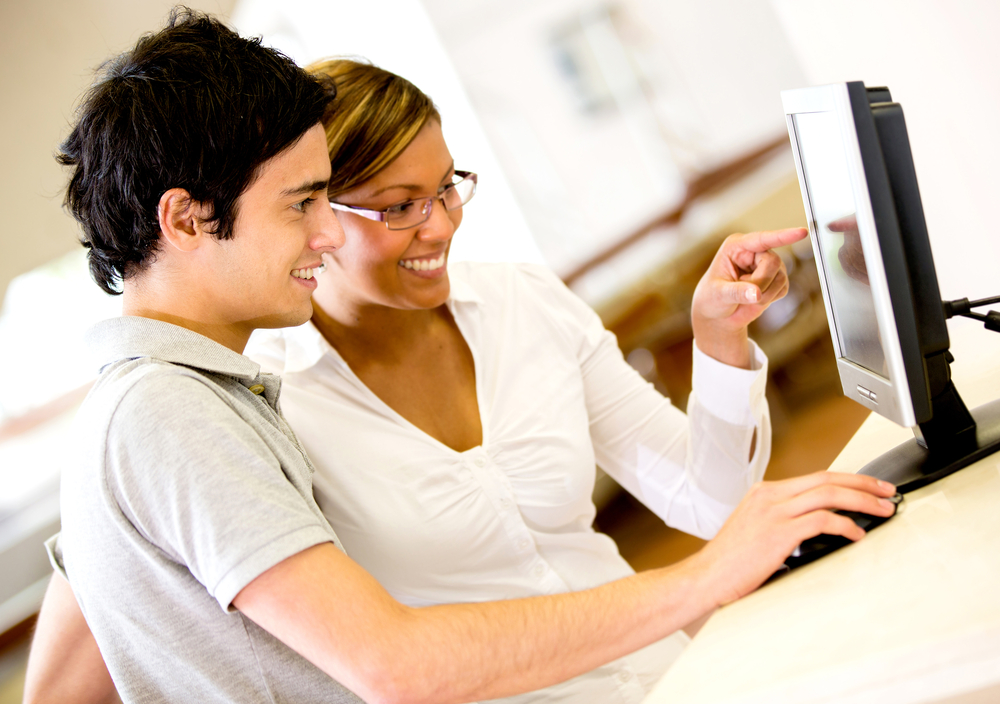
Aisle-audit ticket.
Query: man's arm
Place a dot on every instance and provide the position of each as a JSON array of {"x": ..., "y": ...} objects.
[
  {"x": 324, "y": 606},
  {"x": 65, "y": 665}
]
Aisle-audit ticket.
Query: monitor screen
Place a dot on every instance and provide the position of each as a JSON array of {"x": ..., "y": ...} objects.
[
  {"x": 863, "y": 268},
  {"x": 876, "y": 272},
  {"x": 835, "y": 226}
]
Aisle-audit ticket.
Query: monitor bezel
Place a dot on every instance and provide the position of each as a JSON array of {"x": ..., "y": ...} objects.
[{"x": 893, "y": 398}]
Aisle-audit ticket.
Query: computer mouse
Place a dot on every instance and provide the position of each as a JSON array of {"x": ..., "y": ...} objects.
[{"x": 823, "y": 544}]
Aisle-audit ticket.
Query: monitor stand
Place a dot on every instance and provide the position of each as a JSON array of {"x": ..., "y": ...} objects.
[{"x": 954, "y": 438}]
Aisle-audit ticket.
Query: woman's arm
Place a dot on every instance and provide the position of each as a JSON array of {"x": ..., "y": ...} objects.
[
  {"x": 692, "y": 469},
  {"x": 65, "y": 665}
]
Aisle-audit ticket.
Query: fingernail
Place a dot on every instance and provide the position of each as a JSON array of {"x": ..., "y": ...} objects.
[
  {"x": 751, "y": 295},
  {"x": 886, "y": 485},
  {"x": 885, "y": 503}
]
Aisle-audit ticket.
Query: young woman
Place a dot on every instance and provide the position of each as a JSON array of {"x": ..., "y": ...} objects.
[{"x": 455, "y": 413}]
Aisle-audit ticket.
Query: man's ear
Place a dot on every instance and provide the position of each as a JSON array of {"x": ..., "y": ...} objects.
[{"x": 183, "y": 222}]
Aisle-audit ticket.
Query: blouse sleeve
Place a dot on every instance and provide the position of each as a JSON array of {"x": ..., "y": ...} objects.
[{"x": 691, "y": 470}]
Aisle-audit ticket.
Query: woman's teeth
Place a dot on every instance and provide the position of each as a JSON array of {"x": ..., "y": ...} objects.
[
  {"x": 308, "y": 273},
  {"x": 423, "y": 264}
]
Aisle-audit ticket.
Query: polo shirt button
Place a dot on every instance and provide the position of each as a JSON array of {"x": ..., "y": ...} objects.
[
  {"x": 522, "y": 543},
  {"x": 505, "y": 502},
  {"x": 480, "y": 461},
  {"x": 623, "y": 676},
  {"x": 257, "y": 389},
  {"x": 539, "y": 570}
]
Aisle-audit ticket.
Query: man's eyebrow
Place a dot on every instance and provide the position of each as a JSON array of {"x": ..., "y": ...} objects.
[
  {"x": 410, "y": 187},
  {"x": 305, "y": 188}
]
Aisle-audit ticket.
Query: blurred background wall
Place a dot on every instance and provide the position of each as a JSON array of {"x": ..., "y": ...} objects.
[
  {"x": 587, "y": 105},
  {"x": 617, "y": 140}
]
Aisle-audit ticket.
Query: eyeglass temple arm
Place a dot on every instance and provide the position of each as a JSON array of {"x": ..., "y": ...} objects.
[{"x": 375, "y": 215}]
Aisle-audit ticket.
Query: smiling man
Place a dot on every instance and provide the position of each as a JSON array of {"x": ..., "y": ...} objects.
[
  {"x": 199, "y": 178},
  {"x": 192, "y": 545}
]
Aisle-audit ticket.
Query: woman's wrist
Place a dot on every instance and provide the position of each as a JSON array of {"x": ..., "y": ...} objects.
[{"x": 728, "y": 346}]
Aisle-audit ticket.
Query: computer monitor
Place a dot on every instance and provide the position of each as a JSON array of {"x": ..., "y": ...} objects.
[{"x": 866, "y": 221}]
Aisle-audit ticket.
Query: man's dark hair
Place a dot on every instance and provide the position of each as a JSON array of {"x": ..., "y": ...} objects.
[{"x": 193, "y": 106}]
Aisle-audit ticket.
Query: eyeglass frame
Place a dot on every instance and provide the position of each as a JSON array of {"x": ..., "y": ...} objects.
[{"x": 380, "y": 215}]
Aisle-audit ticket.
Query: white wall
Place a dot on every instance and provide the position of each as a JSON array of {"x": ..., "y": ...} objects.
[{"x": 941, "y": 61}]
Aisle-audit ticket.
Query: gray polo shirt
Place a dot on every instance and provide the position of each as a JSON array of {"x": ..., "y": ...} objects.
[{"x": 188, "y": 485}]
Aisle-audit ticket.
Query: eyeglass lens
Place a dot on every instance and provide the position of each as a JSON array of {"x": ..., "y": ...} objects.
[{"x": 415, "y": 212}]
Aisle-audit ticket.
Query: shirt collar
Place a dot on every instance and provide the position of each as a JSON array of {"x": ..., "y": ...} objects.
[
  {"x": 129, "y": 337},
  {"x": 291, "y": 350},
  {"x": 461, "y": 290}
]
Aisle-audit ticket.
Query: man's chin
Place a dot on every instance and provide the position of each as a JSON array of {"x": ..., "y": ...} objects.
[{"x": 286, "y": 319}]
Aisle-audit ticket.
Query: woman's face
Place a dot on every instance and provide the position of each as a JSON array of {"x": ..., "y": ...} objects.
[{"x": 402, "y": 269}]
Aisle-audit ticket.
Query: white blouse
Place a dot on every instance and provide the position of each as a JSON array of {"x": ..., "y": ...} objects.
[{"x": 513, "y": 517}]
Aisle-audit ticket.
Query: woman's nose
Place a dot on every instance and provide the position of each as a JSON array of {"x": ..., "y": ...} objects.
[{"x": 439, "y": 225}]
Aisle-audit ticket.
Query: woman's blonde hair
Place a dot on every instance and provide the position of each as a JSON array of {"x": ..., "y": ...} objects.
[{"x": 373, "y": 118}]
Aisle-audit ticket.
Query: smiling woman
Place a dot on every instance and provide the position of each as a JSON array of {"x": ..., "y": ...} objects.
[
  {"x": 455, "y": 411},
  {"x": 387, "y": 265}
]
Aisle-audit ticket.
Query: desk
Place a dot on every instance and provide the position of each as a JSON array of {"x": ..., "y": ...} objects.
[{"x": 909, "y": 614}]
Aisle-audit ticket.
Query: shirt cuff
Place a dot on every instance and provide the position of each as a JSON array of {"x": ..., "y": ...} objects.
[
  {"x": 54, "y": 549},
  {"x": 730, "y": 393}
]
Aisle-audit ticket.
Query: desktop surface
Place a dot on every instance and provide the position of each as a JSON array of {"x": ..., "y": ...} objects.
[{"x": 909, "y": 614}]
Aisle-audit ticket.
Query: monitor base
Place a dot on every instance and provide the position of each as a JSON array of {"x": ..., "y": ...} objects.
[{"x": 910, "y": 465}]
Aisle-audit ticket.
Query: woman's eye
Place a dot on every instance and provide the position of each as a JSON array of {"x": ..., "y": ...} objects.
[
  {"x": 302, "y": 206},
  {"x": 399, "y": 209}
]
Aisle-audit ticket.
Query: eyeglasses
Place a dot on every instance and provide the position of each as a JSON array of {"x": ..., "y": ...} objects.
[{"x": 415, "y": 212}]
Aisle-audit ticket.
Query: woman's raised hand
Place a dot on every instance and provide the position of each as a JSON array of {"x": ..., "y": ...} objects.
[{"x": 745, "y": 277}]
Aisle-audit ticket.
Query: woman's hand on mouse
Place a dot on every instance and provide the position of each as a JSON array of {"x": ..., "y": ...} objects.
[{"x": 775, "y": 517}]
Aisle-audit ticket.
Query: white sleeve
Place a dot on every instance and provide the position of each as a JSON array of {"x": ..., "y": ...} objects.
[{"x": 691, "y": 470}]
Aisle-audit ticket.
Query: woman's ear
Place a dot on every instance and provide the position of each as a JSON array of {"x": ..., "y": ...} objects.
[{"x": 183, "y": 222}]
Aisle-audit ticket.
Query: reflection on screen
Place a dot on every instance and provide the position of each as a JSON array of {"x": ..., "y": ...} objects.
[{"x": 824, "y": 164}]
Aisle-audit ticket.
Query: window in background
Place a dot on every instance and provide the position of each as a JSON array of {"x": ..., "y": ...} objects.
[
  {"x": 44, "y": 316},
  {"x": 601, "y": 113}
]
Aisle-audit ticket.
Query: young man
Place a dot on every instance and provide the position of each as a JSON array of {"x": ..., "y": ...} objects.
[{"x": 191, "y": 541}]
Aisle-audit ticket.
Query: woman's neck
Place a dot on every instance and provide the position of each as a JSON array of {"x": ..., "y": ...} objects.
[
  {"x": 418, "y": 364},
  {"x": 378, "y": 332}
]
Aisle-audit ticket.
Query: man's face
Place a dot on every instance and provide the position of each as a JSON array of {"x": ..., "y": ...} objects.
[{"x": 261, "y": 277}]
